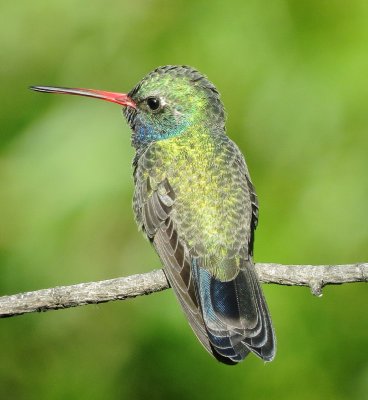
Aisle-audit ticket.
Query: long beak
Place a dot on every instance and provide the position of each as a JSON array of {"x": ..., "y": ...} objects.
[{"x": 119, "y": 98}]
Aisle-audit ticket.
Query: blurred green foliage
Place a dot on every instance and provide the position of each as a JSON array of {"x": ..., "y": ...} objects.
[{"x": 293, "y": 76}]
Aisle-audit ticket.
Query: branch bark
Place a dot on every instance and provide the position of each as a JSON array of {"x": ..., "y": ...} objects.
[{"x": 316, "y": 277}]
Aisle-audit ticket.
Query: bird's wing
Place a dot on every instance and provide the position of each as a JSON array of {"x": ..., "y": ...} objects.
[{"x": 153, "y": 204}]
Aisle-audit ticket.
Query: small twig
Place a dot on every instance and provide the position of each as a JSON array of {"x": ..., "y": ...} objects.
[{"x": 316, "y": 277}]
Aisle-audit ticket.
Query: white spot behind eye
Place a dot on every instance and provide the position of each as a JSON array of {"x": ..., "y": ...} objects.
[{"x": 177, "y": 115}]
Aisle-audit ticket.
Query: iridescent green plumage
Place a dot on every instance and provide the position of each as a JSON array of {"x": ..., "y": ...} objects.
[{"x": 195, "y": 202}]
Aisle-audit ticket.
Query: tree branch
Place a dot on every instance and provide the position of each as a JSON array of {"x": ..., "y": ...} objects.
[{"x": 316, "y": 277}]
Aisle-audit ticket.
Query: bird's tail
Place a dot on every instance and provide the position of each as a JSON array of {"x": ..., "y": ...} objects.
[{"x": 235, "y": 314}]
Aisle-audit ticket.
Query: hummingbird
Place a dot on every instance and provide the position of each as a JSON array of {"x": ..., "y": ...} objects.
[{"x": 195, "y": 202}]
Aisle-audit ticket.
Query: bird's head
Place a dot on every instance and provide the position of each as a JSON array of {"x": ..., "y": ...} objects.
[
  {"x": 165, "y": 103},
  {"x": 171, "y": 99}
]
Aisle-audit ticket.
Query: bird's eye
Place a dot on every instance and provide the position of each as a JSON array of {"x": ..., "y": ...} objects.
[{"x": 153, "y": 103}]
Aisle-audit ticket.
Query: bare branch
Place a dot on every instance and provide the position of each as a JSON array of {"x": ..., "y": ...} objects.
[{"x": 316, "y": 277}]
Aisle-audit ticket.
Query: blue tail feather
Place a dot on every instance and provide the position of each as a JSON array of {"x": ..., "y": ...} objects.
[{"x": 235, "y": 314}]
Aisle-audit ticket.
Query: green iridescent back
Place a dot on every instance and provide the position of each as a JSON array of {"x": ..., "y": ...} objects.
[{"x": 213, "y": 210}]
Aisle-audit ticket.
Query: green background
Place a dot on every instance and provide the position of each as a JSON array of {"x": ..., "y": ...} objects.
[{"x": 293, "y": 77}]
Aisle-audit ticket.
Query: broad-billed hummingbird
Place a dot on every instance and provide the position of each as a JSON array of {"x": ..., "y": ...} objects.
[{"x": 196, "y": 204}]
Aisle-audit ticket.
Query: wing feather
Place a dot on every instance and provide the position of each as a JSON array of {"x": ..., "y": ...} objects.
[{"x": 153, "y": 214}]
